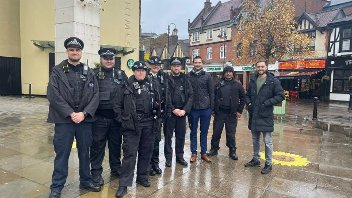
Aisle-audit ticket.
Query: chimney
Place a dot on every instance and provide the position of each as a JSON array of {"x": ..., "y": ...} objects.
[{"x": 207, "y": 5}]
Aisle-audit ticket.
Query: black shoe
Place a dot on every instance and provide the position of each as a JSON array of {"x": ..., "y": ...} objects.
[
  {"x": 213, "y": 152},
  {"x": 98, "y": 180},
  {"x": 144, "y": 183},
  {"x": 157, "y": 170},
  {"x": 267, "y": 169},
  {"x": 55, "y": 194},
  {"x": 168, "y": 163},
  {"x": 233, "y": 155},
  {"x": 152, "y": 172},
  {"x": 91, "y": 187},
  {"x": 182, "y": 162},
  {"x": 252, "y": 163},
  {"x": 122, "y": 191}
]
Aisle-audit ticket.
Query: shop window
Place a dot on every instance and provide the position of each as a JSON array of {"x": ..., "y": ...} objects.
[{"x": 341, "y": 83}]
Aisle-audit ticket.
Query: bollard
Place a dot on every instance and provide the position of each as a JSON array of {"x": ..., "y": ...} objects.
[
  {"x": 30, "y": 91},
  {"x": 350, "y": 103},
  {"x": 315, "y": 108}
]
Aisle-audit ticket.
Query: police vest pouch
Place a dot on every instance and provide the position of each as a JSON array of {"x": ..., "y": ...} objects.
[{"x": 104, "y": 95}]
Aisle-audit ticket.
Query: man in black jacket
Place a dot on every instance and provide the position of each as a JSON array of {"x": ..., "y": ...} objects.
[
  {"x": 180, "y": 96},
  {"x": 73, "y": 94},
  {"x": 203, "y": 104},
  {"x": 106, "y": 128},
  {"x": 160, "y": 78},
  {"x": 137, "y": 109},
  {"x": 229, "y": 104},
  {"x": 263, "y": 93}
]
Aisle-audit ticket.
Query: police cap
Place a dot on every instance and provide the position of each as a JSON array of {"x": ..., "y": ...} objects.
[
  {"x": 107, "y": 53},
  {"x": 176, "y": 61},
  {"x": 74, "y": 42},
  {"x": 154, "y": 60},
  {"x": 139, "y": 65}
]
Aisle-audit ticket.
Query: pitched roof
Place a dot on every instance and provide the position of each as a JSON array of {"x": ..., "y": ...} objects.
[
  {"x": 219, "y": 13},
  {"x": 345, "y": 19},
  {"x": 184, "y": 44},
  {"x": 321, "y": 19}
]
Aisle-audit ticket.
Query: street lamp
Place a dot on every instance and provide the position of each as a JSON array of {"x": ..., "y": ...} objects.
[
  {"x": 224, "y": 36},
  {"x": 168, "y": 37}
]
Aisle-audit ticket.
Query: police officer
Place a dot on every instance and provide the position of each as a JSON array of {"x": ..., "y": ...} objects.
[
  {"x": 229, "y": 104},
  {"x": 137, "y": 108},
  {"x": 179, "y": 104},
  {"x": 160, "y": 78},
  {"x": 73, "y": 94},
  {"x": 106, "y": 128}
]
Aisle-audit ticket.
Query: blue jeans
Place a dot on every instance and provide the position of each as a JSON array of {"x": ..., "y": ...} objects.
[
  {"x": 268, "y": 141},
  {"x": 204, "y": 116}
]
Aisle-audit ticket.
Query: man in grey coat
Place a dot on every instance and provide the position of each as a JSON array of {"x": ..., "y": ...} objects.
[
  {"x": 264, "y": 91},
  {"x": 73, "y": 94}
]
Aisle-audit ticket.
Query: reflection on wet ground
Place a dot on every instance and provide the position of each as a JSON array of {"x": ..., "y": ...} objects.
[{"x": 26, "y": 162}]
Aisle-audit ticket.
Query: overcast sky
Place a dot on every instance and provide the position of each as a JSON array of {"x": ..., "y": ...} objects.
[{"x": 157, "y": 14}]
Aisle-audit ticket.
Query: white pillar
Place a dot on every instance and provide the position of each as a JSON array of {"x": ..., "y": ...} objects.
[{"x": 80, "y": 18}]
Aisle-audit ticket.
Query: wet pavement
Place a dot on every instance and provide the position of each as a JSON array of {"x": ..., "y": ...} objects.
[{"x": 26, "y": 161}]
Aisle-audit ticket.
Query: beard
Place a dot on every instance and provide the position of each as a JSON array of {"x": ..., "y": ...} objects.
[
  {"x": 74, "y": 59},
  {"x": 261, "y": 72}
]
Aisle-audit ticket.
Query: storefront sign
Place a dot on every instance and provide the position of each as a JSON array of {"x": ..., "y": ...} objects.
[
  {"x": 213, "y": 69},
  {"x": 339, "y": 62},
  {"x": 303, "y": 64},
  {"x": 130, "y": 63},
  {"x": 247, "y": 68}
]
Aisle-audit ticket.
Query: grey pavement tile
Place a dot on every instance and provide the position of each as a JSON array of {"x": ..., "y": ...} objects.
[
  {"x": 16, "y": 162},
  {"x": 290, "y": 187},
  {"x": 6, "y": 177},
  {"x": 22, "y": 188}
]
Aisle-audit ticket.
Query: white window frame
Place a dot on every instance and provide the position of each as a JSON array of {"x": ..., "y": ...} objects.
[
  {"x": 195, "y": 52},
  {"x": 222, "y": 51},
  {"x": 195, "y": 36},
  {"x": 210, "y": 34},
  {"x": 209, "y": 53}
]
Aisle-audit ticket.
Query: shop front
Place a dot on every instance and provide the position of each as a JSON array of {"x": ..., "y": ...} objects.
[
  {"x": 303, "y": 78},
  {"x": 341, "y": 77}
]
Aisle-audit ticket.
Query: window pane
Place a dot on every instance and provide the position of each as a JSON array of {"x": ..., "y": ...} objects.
[
  {"x": 337, "y": 87},
  {"x": 339, "y": 74},
  {"x": 346, "y": 33},
  {"x": 346, "y": 43},
  {"x": 347, "y": 86}
]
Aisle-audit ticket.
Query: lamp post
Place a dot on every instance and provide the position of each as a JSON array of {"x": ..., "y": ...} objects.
[
  {"x": 224, "y": 36},
  {"x": 168, "y": 37}
]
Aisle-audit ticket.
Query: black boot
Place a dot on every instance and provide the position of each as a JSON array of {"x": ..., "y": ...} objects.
[
  {"x": 267, "y": 169},
  {"x": 157, "y": 169},
  {"x": 252, "y": 163},
  {"x": 122, "y": 191},
  {"x": 233, "y": 155},
  {"x": 213, "y": 152},
  {"x": 55, "y": 194},
  {"x": 152, "y": 171}
]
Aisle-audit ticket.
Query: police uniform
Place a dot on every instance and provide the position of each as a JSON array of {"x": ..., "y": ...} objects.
[
  {"x": 137, "y": 108},
  {"x": 72, "y": 88},
  {"x": 160, "y": 79},
  {"x": 106, "y": 127},
  {"x": 180, "y": 97},
  {"x": 229, "y": 100}
]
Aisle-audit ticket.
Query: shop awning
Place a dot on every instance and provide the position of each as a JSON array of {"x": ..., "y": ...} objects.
[
  {"x": 295, "y": 74},
  {"x": 44, "y": 44},
  {"x": 120, "y": 49}
]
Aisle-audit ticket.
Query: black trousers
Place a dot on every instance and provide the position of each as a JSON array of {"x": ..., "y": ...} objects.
[
  {"x": 157, "y": 131},
  {"x": 64, "y": 135},
  {"x": 105, "y": 130},
  {"x": 140, "y": 141},
  {"x": 177, "y": 124},
  {"x": 230, "y": 121}
]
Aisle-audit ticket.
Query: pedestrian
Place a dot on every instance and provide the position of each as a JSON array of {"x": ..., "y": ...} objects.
[
  {"x": 106, "y": 128},
  {"x": 180, "y": 96},
  {"x": 159, "y": 77},
  {"x": 229, "y": 104},
  {"x": 73, "y": 95},
  {"x": 264, "y": 91},
  {"x": 203, "y": 105},
  {"x": 137, "y": 109}
]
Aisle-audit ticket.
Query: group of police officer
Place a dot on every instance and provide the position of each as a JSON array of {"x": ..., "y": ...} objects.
[{"x": 104, "y": 105}]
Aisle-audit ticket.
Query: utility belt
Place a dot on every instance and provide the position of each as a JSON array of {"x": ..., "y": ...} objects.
[
  {"x": 225, "y": 109},
  {"x": 144, "y": 117}
]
